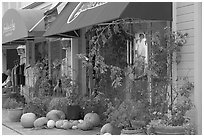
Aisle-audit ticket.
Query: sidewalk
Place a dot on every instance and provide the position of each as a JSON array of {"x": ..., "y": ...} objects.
[
  {"x": 15, "y": 127},
  {"x": 8, "y": 131}
]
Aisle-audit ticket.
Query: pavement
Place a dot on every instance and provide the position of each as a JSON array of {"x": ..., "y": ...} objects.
[
  {"x": 15, "y": 128},
  {"x": 7, "y": 131}
]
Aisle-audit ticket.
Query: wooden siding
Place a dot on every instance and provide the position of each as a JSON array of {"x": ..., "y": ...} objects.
[
  {"x": 185, "y": 24},
  {"x": 183, "y": 4}
]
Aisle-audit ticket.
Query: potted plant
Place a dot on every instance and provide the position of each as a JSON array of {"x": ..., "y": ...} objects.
[
  {"x": 14, "y": 108},
  {"x": 70, "y": 108},
  {"x": 175, "y": 122},
  {"x": 130, "y": 116},
  {"x": 95, "y": 103}
]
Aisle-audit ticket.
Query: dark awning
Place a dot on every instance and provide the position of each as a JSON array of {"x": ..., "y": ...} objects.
[
  {"x": 20, "y": 24},
  {"x": 54, "y": 29},
  {"x": 114, "y": 10},
  {"x": 110, "y": 11}
]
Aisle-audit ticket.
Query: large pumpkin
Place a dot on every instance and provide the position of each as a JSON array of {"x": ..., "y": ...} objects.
[
  {"x": 92, "y": 118},
  {"x": 55, "y": 115},
  {"x": 27, "y": 120}
]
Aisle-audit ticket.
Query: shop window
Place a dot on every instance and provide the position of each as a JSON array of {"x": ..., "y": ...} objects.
[
  {"x": 66, "y": 57},
  {"x": 41, "y": 51},
  {"x": 12, "y": 56},
  {"x": 120, "y": 52}
]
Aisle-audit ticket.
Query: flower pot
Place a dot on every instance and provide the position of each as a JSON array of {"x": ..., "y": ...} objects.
[
  {"x": 137, "y": 124},
  {"x": 15, "y": 114},
  {"x": 4, "y": 98},
  {"x": 132, "y": 132},
  {"x": 73, "y": 112},
  {"x": 116, "y": 131},
  {"x": 169, "y": 130}
]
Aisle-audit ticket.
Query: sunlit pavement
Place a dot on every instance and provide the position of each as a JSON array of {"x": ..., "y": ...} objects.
[{"x": 8, "y": 131}]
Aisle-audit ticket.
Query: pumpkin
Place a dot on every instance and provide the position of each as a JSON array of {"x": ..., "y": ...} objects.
[
  {"x": 81, "y": 121},
  {"x": 65, "y": 121},
  {"x": 107, "y": 128},
  {"x": 55, "y": 115},
  {"x": 40, "y": 122},
  {"x": 75, "y": 122},
  {"x": 92, "y": 118},
  {"x": 27, "y": 120},
  {"x": 74, "y": 127},
  {"x": 59, "y": 124},
  {"x": 107, "y": 134},
  {"x": 67, "y": 125},
  {"x": 51, "y": 124},
  {"x": 85, "y": 126}
]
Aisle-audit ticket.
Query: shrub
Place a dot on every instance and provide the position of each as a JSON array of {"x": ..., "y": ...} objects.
[
  {"x": 38, "y": 106},
  {"x": 11, "y": 103},
  {"x": 59, "y": 103}
]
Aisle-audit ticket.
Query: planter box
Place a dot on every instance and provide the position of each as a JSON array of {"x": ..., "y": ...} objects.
[
  {"x": 132, "y": 132},
  {"x": 15, "y": 114},
  {"x": 177, "y": 130},
  {"x": 4, "y": 98},
  {"x": 74, "y": 112},
  {"x": 137, "y": 124}
]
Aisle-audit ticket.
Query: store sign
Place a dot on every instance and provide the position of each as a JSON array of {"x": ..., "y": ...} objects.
[
  {"x": 8, "y": 28},
  {"x": 83, "y": 6}
]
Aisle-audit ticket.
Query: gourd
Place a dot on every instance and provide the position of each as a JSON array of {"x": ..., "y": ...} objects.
[
  {"x": 75, "y": 122},
  {"x": 59, "y": 124},
  {"x": 107, "y": 134},
  {"x": 85, "y": 126},
  {"x": 40, "y": 122},
  {"x": 107, "y": 128},
  {"x": 51, "y": 124},
  {"x": 67, "y": 125},
  {"x": 93, "y": 118},
  {"x": 27, "y": 120},
  {"x": 55, "y": 115}
]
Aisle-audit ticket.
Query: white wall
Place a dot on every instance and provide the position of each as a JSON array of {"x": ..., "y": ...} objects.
[
  {"x": 187, "y": 18},
  {"x": 185, "y": 23}
]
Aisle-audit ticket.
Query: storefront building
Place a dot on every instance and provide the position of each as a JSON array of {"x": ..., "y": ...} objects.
[
  {"x": 24, "y": 27},
  {"x": 184, "y": 17},
  {"x": 75, "y": 19}
]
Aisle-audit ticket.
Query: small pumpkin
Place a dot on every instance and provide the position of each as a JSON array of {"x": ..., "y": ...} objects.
[
  {"x": 59, "y": 124},
  {"x": 107, "y": 134},
  {"x": 75, "y": 122},
  {"x": 74, "y": 127},
  {"x": 67, "y": 125},
  {"x": 27, "y": 120},
  {"x": 40, "y": 122},
  {"x": 92, "y": 118},
  {"x": 107, "y": 128},
  {"x": 85, "y": 126},
  {"x": 51, "y": 124},
  {"x": 81, "y": 121}
]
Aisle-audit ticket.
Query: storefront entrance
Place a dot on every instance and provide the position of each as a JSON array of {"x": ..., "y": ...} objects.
[{"x": 11, "y": 57}]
